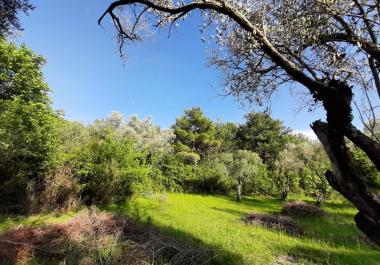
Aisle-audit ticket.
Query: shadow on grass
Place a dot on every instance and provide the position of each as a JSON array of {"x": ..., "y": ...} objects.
[
  {"x": 336, "y": 255},
  {"x": 136, "y": 244},
  {"x": 187, "y": 241},
  {"x": 236, "y": 213}
]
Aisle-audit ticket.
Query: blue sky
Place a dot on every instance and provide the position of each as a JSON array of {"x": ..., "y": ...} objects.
[{"x": 160, "y": 77}]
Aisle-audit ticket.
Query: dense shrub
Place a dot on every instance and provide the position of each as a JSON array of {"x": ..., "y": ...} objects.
[
  {"x": 60, "y": 191},
  {"x": 28, "y": 135}
]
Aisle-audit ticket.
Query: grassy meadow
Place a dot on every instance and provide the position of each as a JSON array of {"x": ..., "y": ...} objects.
[{"x": 215, "y": 222}]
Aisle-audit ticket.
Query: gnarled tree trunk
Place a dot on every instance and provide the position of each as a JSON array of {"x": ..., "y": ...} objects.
[{"x": 345, "y": 178}]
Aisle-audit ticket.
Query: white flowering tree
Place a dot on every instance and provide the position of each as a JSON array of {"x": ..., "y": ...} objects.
[{"x": 328, "y": 49}]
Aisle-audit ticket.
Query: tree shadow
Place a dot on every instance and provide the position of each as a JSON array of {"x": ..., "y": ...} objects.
[
  {"x": 237, "y": 213},
  {"x": 137, "y": 243},
  {"x": 336, "y": 255}
]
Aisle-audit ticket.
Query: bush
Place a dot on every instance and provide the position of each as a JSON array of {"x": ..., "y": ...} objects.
[{"x": 61, "y": 191}]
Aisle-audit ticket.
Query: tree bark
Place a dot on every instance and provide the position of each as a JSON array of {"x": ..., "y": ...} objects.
[
  {"x": 345, "y": 178},
  {"x": 238, "y": 191}
]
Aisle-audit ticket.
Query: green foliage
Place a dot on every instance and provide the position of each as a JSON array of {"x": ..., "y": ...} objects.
[
  {"x": 246, "y": 169},
  {"x": 108, "y": 168},
  {"x": 226, "y": 133},
  {"x": 316, "y": 163},
  {"x": 368, "y": 169},
  {"x": 28, "y": 135},
  {"x": 263, "y": 135},
  {"x": 194, "y": 133},
  {"x": 213, "y": 175},
  {"x": 286, "y": 173}
]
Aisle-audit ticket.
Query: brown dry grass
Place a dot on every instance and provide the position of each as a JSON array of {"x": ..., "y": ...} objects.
[
  {"x": 278, "y": 222},
  {"x": 301, "y": 209},
  {"x": 96, "y": 237}
]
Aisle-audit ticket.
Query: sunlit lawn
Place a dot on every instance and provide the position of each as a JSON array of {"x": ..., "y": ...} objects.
[{"x": 215, "y": 222}]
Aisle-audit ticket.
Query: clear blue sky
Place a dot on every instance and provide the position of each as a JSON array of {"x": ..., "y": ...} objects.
[{"x": 160, "y": 77}]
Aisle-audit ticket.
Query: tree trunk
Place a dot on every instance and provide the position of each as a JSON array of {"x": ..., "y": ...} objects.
[
  {"x": 320, "y": 200},
  {"x": 238, "y": 191},
  {"x": 345, "y": 178}
]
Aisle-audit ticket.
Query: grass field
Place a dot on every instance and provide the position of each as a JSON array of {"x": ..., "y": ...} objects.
[
  {"x": 11, "y": 222},
  {"x": 215, "y": 222}
]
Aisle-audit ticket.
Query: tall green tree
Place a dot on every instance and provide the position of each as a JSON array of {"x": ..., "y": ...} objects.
[
  {"x": 194, "y": 134},
  {"x": 263, "y": 135},
  {"x": 226, "y": 133},
  {"x": 28, "y": 136}
]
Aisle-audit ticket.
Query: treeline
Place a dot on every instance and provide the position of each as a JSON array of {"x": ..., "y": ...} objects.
[{"x": 49, "y": 163}]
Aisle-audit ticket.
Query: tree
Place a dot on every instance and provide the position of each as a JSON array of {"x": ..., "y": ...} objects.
[
  {"x": 316, "y": 163},
  {"x": 326, "y": 48},
  {"x": 194, "y": 134},
  {"x": 287, "y": 168},
  {"x": 263, "y": 135},
  {"x": 226, "y": 133},
  {"x": 145, "y": 134},
  {"x": 9, "y": 9},
  {"x": 28, "y": 135},
  {"x": 244, "y": 167}
]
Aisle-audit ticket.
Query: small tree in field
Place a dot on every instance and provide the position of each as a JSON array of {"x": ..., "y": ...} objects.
[
  {"x": 316, "y": 163},
  {"x": 244, "y": 167},
  {"x": 327, "y": 49},
  {"x": 287, "y": 168}
]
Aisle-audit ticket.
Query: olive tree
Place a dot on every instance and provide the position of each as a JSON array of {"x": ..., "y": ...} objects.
[
  {"x": 244, "y": 167},
  {"x": 287, "y": 168},
  {"x": 328, "y": 49},
  {"x": 317, "y": 163}
]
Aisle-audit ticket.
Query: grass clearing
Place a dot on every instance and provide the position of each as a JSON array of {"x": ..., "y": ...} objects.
[
  {"x": 215, "y": 222},
  {"x": 8, "y": 222}
]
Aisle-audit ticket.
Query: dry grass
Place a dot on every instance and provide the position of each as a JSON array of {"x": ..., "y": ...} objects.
[
  {"x": 96, "y": 237},
  {"x": 301, "y": 209},
  {"x": 278, "y": 222}
]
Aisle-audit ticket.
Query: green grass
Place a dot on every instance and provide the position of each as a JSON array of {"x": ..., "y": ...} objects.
[
  {"x": 10, "y": 222},
  {"x": 215, "y": 222}
]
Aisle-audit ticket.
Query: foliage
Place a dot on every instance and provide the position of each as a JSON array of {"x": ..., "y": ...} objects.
[
  {"x": 287, "y": 168},
  {"x": 213, "y": 176},
  {"x": 368, "y": 169},
  {"x": 246, "y": 167},
  {"x": 108, "y": 168},
  {"x": 9, "y": 9},
  {"x": 194, "y": 133},
  {"x": 263, "y": 135},
  {"x": 226, "y": 133},
  {"x": 316, "y": 163},
  {"x": 28, "y": 135}
]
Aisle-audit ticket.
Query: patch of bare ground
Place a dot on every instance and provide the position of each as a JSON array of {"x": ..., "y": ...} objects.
[
  {"x": 301, "y": 209},
  {"x": 278, "y": 222},
  {"x": 96, "y": 237}
]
